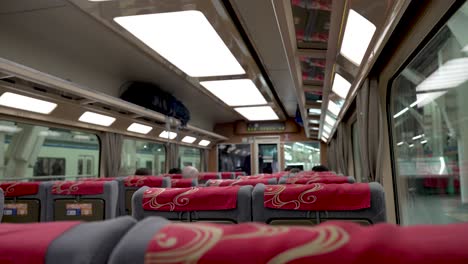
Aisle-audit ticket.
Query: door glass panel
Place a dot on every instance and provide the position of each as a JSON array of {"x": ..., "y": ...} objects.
[
  {"x": 234, "y": 157},
  {"x": 189, "y": 157},
  {"x": 429, "y": 117},
  {"x": 268, "y": 158},
  {"x": 141, "y": 154}
]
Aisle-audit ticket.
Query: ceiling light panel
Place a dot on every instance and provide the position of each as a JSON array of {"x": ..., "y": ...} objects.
[
  {"x": 26, "y": 103},
  {"x": 314, "y": 121},
  {"x": 189, "y": 139},
  {"x": 239, "y": 92},
  {"x": 204, "y": 142},
  {"x": 341, "y": 86},
  {"x": 333, "y": 108},
  {"x": 186, "y": 39},
  {"x": 327, "y": 128},
  {"x": 315, "y": 111},
  {"x": 329, "y": 120},
  {"x": 168, "y": 135},
  {"x": 139, "y": 128},
  {"x": 357, "y": 37},
  {"x": 257, "y": 113},
  {"x": 96, "y": 119}
]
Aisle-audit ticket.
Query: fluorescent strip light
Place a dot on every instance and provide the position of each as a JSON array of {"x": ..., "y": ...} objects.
[
  {"x": 426, "y": 98},
  {"x": 96, "y": 119},
  {"x": 319, "y": 101},
  {"x": 327, "y": 128},
  {"x": 314, "y": 121},
  {"x": 333, "y": 108},
  {"x": 357, "y": 37},
  {"x": 400, "y": 143},
  {"x": 26, "y": 103},
  {"x": 186, "y": 39},
  {"x": 329, "y": 120},
  {"x": 315, "y": 128},
  {"x": 423, "y": 142},
  {"x": 315, "y": 111},
  {"x": 189, "y": 139},
  {"x": 324, "y": 139},
  {"x": 139, "y": 128},
  {"x": 168, "y": 134},
  {"x": 411, "y": 145},
  {"x": 401, "y": 112},
  {"x": 341, "y": 86},
  {"x": 239, "y": 92},
  {"x": 450, "y": 75},
  {"x": 418, "y": 136},
  {"x": 257, "y": 113},
  {"x": 204, "y": 142}
]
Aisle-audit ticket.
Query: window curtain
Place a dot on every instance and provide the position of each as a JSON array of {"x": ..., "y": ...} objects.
[
  {"x": 173, "y": 156},
  {"x": 111, "y": 153},
  {"x": 370, "y": 123},
  {"x": 342, "y": 145},
  {"x": 331, "y": 155},
  {"x": 204, "y": 157}
]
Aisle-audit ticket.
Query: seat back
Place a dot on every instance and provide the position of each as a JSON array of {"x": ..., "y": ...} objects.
[
  {"x": 69, "y": 242},
  {"x": 228, "y": 175},
  {"x": 82, "y": 200},
  {"x": 156, "y": 240},
  {"x": 230, "y": 204},
  {"x": 132, "y": 183},
  {"x": 2, "y": 200},
  {"x": 25, "y": 202},
  {"x": 121, "y": 193},
  {"x": 315, "y": 203},
  {"x": 314, "y": 179},
  {"x": 183, "y": 183},
  {"x": 203, "y": 177},
  {"x": 240, "y": 182}
]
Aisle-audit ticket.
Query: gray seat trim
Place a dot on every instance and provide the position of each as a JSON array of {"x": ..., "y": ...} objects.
[
  {"x": 132, "y": 247},
  {"x": 2, "y": 201}
]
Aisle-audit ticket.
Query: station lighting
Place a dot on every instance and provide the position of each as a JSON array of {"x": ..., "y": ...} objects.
[
  {"x": 204, "y": 142},
  {"x": 411, "y": 145},
  {"x": 450, "y": 75},
  {"x": 239, "y": 92},
  {"x": 400, "y": 143},
  {"x": 257, "y": 113},
  {"x": 189, "y": 139},
  {"x": 401, "y": 112},
  {"x": 186, "y": 39},
  {"x": 357, "y": 37},
  {"x": 333, "y": 108},
  {"x": 418, "y": 137},
  {"x": 423, "y": 142},
  {"x": 168, "y": 134},
  {"x": 27, "y": 103},
  {"x": 341, "y": 86},
  {"x": 96, "y": 119},
  {"x": 139, "y": 128},
  {"x": 315, "y": 111}
]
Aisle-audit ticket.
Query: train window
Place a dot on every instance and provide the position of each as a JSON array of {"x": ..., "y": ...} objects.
[
  {"x": 234, "y": 157},
  {"x": 302, "y": 155},
  {"x": 430, "y": 122},
  {"x": 36, "y": 151},
  {"x": 189, "y": 157},
  {"x": 139, "y": 154}
]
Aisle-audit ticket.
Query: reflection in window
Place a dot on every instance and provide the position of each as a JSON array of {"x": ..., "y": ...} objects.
[
  {"x": 303, "y": 156},
  {"x": 30, "y": 151},
  {"x": 139, "y": 154},
  {"x": 234, "y": 157},
  {"x": 189, "y": 157},
  {"x": 430, "y": 124}
]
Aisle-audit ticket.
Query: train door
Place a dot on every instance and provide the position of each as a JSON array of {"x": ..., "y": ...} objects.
[
  {"x": 267, "y": 156},
  {"x": 85, "y": 165}
]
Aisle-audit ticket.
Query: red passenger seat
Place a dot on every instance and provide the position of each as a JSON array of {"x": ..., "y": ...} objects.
[
  {"x": 25, "y": 202},
  {"x": 316, "y": 179},
  {"x": 228, "y": 175},
  {"x": 240, "y": 182},
  {"x": 182, "y": 183},
  {"x": 205, "y": 176},
  {"x": 220, "y": 204},
  {"x": 156, "y": 240}
]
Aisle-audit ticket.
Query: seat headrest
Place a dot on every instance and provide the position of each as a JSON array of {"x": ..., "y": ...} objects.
[
  {"x": 315, "y": 179},
  {"x": 78, "y": 187},
  {"x": 318, "y": 197},
  {"x": 13, "y": 189},
  {"x": 139, "y": 181},
  {"x": 208, "y": 176},
  {"x": 238, "y": 182},
  {"x": 190, "y": 199},
  {"x": 181, "y": 183}
]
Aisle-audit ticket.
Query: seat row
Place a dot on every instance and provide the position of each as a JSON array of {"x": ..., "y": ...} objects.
[
  {"x": 273, "y": 204},
  {"x": 157, "y": 240}
]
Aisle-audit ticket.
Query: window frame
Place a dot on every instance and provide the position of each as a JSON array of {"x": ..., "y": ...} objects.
[{"x": 389, "y": 93}]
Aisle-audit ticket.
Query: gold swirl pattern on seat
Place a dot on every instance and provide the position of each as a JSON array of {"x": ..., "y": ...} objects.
[
  {"x": 78, "y": 187},
  {"x": 151, "y": 195},
  {"x": 306, "y": 197},
  {"x": 243, "y": 243}
]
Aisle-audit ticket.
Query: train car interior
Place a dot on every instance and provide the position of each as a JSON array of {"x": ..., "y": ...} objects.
[{"x": 233, "y": 131}]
